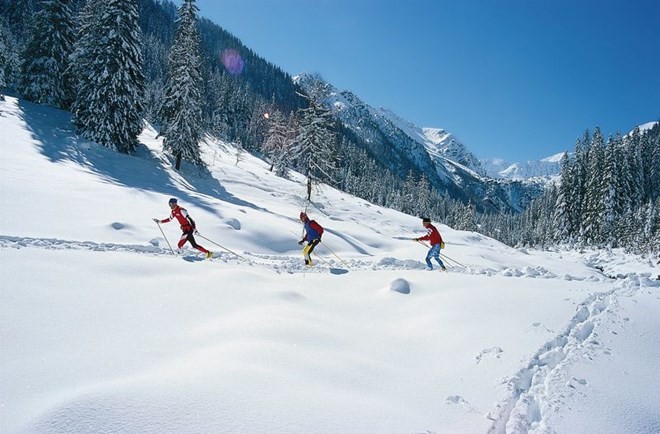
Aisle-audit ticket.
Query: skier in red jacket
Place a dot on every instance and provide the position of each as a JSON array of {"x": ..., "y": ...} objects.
[
  {"x": 433, "y": 236},
  {"x": 313, "y": 232},
  {"x": 187, "y": 226}
]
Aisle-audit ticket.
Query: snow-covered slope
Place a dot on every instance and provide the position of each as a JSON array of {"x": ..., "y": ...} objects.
[
  {"x": 648, "y": 126},
  {"x": 645, "y": 127},
  {"x": 102, "y": 329}
]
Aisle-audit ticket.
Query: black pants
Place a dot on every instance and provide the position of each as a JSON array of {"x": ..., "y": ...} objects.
[
  {"x": 307, "y": 251},
  {"x": 187, "y": 235}
]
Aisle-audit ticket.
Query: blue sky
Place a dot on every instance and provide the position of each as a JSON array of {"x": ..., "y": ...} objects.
[{"x": 518, "y": 80}]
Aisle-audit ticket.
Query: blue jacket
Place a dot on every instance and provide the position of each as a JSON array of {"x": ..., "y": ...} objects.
[{"x": 312, "y": 230}]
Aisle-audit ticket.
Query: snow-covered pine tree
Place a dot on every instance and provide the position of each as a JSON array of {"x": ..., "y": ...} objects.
[
  {"x": 423, "y": 196},
  {"x": 469, "y": 222},
  {"x": 654, "y": 171},
  {"x": 217, "y": 93},
  {"x": 108, "y": 101},
  {"x": 154, "y": 53},
  {"x": 315, "y": 150},
  {"x": 610, "y": 195},
  {"x": 579, "y": 195},
  {"x": 650, "y": 226},
  {"x": 409, "y": 194},
  {"x": 43, "y": 74},
  {"x": 18, "y": 14},
  {"x": 636, "y": 167},
  {"x": 182, "y": 105},
  {"x": 4, "y": 56},
  {"x": 80, "y": 61},
  {"x": 279, "y": 140},
  {"x": 592, "y": 222},
  {"x": 562, "y": 217}
]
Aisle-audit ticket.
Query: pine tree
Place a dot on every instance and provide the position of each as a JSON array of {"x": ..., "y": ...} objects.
[
  {"x": 580, "y": 185},
  {"x": 423, "y": 196},
  {"x": 468, "y": 220},
  {"x": 81, "y": 60},
  {"x": 612, "y": 188},
  {"x": 155, "y": 71},
  {"x": 4, "y": 56},
  {"x": 636, "y": 167},
  {"x": 43, "y": 74},
  {"x": 592, "y": 227},
  {"x": 182, "y": 110},
  {"x": 18, "y": 14},
  {"x": 650, "y": 226},
  {"x": 108, "y": 100},
  {"x": 9, "y": 56},
  {"x": 654, "y": 156},
  {"x": 315, "y": 149},
  {"x": 563, "y": 220},
  {"x": 278, "y": 143}
]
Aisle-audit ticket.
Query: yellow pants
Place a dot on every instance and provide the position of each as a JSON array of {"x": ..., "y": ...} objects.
[{"x": 307, "y": 250}]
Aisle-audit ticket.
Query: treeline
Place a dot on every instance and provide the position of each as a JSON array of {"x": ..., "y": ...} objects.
[{"x": 609, "y": 197}]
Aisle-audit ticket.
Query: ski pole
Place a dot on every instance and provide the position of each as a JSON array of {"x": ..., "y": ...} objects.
[
  {"x": 422, "y": 243},
  {"x": 441, "y": 254},
  {"x": 168, "y": 243},
  {"x": 222, "y": 247},
  {"x": 342, "y": 261},
  {"x": 323, "y": 260},
  {"x": 453, "y": 260}
]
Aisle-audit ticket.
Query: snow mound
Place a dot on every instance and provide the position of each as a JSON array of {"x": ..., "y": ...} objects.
[{"x": 400, "y": 285}]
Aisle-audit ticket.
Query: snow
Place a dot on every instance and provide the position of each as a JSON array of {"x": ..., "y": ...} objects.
[
  {"x": 648, "y": 126},
  {"x": 102, "y": 329},
  {"x": 643, "y": 127},
  {"x": 544, "y": 171}
]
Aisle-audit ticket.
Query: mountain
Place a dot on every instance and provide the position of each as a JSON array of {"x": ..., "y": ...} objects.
[
  {"x": 645, "y": 127},
  {"x": 545, "y": 170},
  {"x": 402, "y": 146}
]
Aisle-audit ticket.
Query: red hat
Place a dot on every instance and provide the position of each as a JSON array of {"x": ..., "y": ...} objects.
[{"x": 303, "y": 216}]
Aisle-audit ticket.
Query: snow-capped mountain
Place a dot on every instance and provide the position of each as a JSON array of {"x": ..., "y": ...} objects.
[
  {"x": 644, "y": 127},
  {"x": 546, "y": 169},
  {"x": 401, "y": 146}
]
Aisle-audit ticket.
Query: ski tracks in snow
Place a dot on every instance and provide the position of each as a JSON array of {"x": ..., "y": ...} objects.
[
  {"x": 277, "y": 263},
  {"x": 543, "y": 386}
]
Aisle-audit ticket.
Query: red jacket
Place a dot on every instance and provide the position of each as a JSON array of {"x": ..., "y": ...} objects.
[
  {"x": 432, "y": 235},
  {"x": 182, "y": 216}
]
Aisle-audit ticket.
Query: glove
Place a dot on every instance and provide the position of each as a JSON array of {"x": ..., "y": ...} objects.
[
  {"x": 195, "y": 232},
  {"x": 156, "y": 220},
  {"x": 415, "y": 239},
  {"x": 301, "y": 241}
]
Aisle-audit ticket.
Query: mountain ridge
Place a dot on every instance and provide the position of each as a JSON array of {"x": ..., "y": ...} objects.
[{"x": 402, "y": 146}]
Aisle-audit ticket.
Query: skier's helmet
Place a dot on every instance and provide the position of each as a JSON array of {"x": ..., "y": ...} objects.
[
  {"x": 426, "y": 220},
  {"x": 303, "y": 217},
  {"x": 172, "y": 201}
]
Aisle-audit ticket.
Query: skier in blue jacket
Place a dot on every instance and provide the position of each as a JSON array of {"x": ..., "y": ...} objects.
[{"x": 313, "y": 232}]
